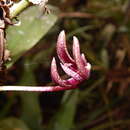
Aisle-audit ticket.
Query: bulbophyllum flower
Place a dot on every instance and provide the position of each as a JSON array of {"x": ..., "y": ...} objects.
[{"x": 77, "y": 68}]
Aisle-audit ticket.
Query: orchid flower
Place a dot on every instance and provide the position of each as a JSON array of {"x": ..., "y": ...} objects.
[{"x": 77, "y": 68}]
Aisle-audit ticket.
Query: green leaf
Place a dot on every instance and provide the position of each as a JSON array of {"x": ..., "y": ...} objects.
[
  {"x": 12, "y": 124},
  {"x": 65, "y": 116},
  {"x": 33, "y": 27},
  {"x": 31, "y": 112}
]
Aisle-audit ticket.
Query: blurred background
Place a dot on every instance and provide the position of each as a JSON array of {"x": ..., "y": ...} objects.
[{"x": 100, "y": 103}]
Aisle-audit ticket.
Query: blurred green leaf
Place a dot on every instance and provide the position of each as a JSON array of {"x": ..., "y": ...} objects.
[
  {"x": 31, "y": 112},
  {"x": 12, "y": 124},
  {"x": 33, "y": 27},
  {"x": 80, "y": 30},
  {"x": 105, "y": 58},
  {"x": 107, "y": 33},
  {"x": 65, "y": 116}
]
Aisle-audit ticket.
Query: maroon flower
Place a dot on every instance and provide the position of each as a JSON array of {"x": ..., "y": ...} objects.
[{"x": 77, "y": 68}]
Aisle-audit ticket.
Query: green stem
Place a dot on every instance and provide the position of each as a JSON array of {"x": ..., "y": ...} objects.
[{"x": 18, "y": 7}]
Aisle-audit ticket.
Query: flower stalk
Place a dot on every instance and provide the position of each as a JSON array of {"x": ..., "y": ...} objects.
[{"x": 36, "y": 89}]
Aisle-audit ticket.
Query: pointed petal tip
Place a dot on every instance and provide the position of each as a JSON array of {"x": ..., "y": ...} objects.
[
  {"x": 62, "y": 35},
  {"x": 54, "y": 72},
  {"x": 75, "y": 39},
  {"x": 88, "y": 66},
  {"x": 61, "y": 39},
  {"x": 53, "y": 67},
  {"x": 75, "y": 43},
  {"x": 83, "y": 58},
  {"x": 53, "y": 61},
  {"x": 63, "y": 31},
  {"x": 61, "y": 48}
]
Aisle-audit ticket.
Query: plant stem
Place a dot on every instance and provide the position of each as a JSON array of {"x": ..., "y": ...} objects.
[
  {"x": 18, "y": 7},
  {"x": 36, "y": 89}
]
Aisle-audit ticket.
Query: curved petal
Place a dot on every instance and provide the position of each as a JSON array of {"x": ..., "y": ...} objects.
[
  {"x": 55, "y": 76},
  {"x": 62, "y": 51},
  {"x": 77, "y": 58}
]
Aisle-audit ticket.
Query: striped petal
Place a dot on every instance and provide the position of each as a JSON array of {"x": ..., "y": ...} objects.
[
  {"x": 62, "y": 51},
  {"x": 71, "y": 73},
  {"x": 77, "y": 58}
]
